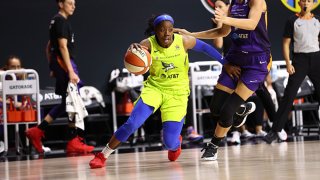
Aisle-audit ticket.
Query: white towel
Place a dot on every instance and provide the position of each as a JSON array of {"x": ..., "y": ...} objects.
[
  {"x": 89, "y": 92},
  {"x": 75, "y": 106}
]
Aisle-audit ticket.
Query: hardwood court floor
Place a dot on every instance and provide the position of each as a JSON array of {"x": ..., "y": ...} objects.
[{"x": 293, "y": 160}]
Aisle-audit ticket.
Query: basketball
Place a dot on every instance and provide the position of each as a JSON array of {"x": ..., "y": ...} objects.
[{"x": 137, "y": 61}]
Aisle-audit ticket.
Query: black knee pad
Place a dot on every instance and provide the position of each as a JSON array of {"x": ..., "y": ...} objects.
[
  {"x": 228, "y": 109},
  {"x": 218, "y": 99}
]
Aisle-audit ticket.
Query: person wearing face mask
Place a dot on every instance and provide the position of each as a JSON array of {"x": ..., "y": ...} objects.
[{"x": 302, "y": 31}]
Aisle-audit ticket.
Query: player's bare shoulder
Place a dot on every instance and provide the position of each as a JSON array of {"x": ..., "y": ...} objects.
[{"x": 188, "y": 41}]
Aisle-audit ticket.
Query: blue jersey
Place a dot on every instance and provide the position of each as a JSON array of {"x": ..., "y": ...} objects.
[{"x": 254, "y": 41}]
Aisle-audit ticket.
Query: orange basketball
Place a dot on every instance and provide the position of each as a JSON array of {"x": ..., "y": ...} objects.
[{"x": 137, "y": 61}]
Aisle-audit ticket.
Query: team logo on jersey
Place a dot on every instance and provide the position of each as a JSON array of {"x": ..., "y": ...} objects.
[
  {"x": 209, "y": 5},
  {"x": 72, "y": 38},
  {"x": 167, "y": 67},
  {"x": 293, "y": 5}
]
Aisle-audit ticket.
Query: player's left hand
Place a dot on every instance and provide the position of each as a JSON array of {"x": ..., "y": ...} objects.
[{"x": 232, "y": 70}]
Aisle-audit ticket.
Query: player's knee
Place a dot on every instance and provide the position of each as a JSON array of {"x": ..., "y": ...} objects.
[
  {"x": 215, "y": 107},
  {"x": 226, "y": 123},
  {"x": 226, "y": 117},
  {"x": 228, "y": 109},
  {"x": 215, "y": 111},
  {"x": 216, "y": 103},
  {"x": 128, "y": 128}
]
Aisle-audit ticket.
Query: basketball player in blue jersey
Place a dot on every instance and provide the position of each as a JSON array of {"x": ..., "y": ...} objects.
[{"x": 250, "y": 50}]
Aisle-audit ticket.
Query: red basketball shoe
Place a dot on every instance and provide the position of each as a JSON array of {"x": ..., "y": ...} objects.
[
  {"x": 35, "y": 135},
  {"x": 76, "y": 145},
  {"x": 98, "y": 161},
  {"x": 173, "y": 155}
]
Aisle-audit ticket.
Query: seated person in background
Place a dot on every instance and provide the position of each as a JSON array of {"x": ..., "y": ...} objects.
[{"x": 13, "y": 63}]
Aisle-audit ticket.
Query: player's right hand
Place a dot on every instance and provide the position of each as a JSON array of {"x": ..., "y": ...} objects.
[
  {"x": 232, "y": 71},
  {"x": 182, "y": 31},
  {"x": 135, "y": 46},
  {"x": 290, "y": 69},
  {"x": 74, "y": 78}
]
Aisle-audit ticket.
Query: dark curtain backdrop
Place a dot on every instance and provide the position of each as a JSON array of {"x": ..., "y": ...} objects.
[{"x": 104, "y": 29}]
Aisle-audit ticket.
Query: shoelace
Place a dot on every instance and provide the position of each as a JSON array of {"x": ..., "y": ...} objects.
[
  {"x": 205, "y": 147},
  {"x": 81, "y": 141}
]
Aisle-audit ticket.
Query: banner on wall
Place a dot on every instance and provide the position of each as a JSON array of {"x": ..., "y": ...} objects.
[
  {"x": 294, "y": 6},
  {"x": 209, "y": 5}
]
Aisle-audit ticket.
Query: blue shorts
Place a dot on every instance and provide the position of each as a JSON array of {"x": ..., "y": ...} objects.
[{"x": 254, "y": 69}]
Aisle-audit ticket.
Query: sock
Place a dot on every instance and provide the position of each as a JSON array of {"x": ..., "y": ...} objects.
[
  {"x": 80, "y": 132},
  {"x": 216, "y": 140},
  {"x": 72, "y": 132},
  {"x": 43, "y": 125},
  {"x": 107, "y": 151}
]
